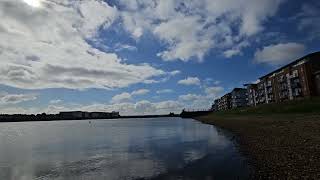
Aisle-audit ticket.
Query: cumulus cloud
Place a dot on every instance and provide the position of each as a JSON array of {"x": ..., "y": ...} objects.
[
  {"x": 47, "y": 47},
  {"x": 6, "y": 98},
  {"x": 279, "y": 54},
  {"x": 236, "y": 50},
  {"x": 164, "y": 91},
  {"x": 231, "y": 52},
  {"x": 190, "y": 81},
  {"x": 202, "y": 101},
  {"x": 175, "y": 72},
  {"x": 214, "y": 92},
  {"x": 122, "y": 47},
  {"x": 189, "y": 97},
  {"x": 123, "y": 97},
  {"x": 125, "y": 105},
  {"x": 55, "y": 101},
  {"x": 127, "y": 97},
  {"x": 190, "y": 29},
  {"x": 140, "y": 92}
]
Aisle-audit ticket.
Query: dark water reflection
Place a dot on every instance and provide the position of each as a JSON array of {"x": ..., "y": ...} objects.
[{"x": 169, "y": 148}]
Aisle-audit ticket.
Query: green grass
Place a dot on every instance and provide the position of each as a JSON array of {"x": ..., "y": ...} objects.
[{"x": 309, "y": 106}]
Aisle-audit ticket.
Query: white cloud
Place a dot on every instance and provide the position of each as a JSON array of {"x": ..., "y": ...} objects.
[
  {"x": 123, "y": 103},
  {"x": 140, "y": 92},
  {"x": 47, "y": 47},
  {"x": 123, "y": 97},
  {"x": 202, "y": 101},
  {"x": 236, "y": 50},
  {"x": 165, "y": 91},
  {"x": 182, "y": 40},
  {"x": 127, "y": 97},
  {"x": 121, "y": 47},
  {"x": 175, "y": 72},
  {"x": 214, "y": 91},
  {"x": 190, "y": 29},
  {"x": 256, "y": 81},
  {"x": 190, "y": 81},
  {"x": 6, "y": 98},
  {"x": 55, "y": 101},
  {"x": 164, "y": 79},
  {"x": 231, "y": 52},
  {"x": 189, "y": 97},
  {"x": 17, "y": 110},
  {"x": 279, "y": 54}
]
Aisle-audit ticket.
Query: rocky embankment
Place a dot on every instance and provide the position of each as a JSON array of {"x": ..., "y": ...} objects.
[{"x": 281, "y": 146}]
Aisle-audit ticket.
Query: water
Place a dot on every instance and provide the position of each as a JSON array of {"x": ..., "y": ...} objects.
[{"x": 123, "y": 149}]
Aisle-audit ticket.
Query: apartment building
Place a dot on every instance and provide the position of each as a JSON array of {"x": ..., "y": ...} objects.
[
  {"x": 238, "y": 98},
  {"x": 252, "y": 94},
  {"x": 225, "y": 102},
  {"x": 216, "y": 105},
  {"x": 299, "y": 79}
]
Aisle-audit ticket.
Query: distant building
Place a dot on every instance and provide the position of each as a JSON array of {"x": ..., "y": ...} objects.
[
  {"x": 252, "y": 94},
  {"x": 72, "y": 115},
  {"x": 299, "y": 79},
  {"x": 88, "y": 115},
  {"x": 213, "y": 108},
  {"x": 238, "y": 98},
  {"x": 225, "y": 102},
  {"x": 100, "y": 115},
  {"x": 115, "y": 114},
  {"x": 217, "y": 105}
]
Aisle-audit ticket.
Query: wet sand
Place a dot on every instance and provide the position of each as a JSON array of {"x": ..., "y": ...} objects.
[{"x": 281, "y": 146}]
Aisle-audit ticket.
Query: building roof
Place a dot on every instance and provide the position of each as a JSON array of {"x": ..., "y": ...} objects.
[
  {"x": 292, "y": 63},
  {"x": 238, "y": 89},
  {"x": 226, "y": 95},
  {"x": 250, "y": 84}
]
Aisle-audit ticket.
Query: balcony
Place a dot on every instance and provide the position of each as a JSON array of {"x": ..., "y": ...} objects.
[
  {"x": 295, "y": 85},
  {"x": 283, "y": 97},
  {"x": 297, "y": 92},
  {"x": 282, "y": 79},
  {"x": 260, "y": 86},
  {"x": 269, "y": 84},
  {"x": 296, "y": 80},
  {"x": 295, "y": 74}
]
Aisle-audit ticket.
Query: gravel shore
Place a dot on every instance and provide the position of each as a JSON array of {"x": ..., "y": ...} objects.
[{"x": 278, "y": 146}]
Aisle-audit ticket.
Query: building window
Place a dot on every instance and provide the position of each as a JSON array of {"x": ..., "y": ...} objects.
[{"x": 295, "y": 73}]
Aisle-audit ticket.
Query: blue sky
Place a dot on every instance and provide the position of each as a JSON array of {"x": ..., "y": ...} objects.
[{"x": 141, "y": 56}]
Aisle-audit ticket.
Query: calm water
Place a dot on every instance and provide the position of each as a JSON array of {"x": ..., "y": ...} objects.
[{"x": 164, "y": 148}]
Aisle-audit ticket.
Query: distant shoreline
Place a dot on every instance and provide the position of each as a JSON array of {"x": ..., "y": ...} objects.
[
  {"x": 79, "y": 115},
  {"x": 33, "y": 118}
]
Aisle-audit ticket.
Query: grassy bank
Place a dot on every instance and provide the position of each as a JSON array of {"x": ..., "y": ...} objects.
[{"x": 282, "y": 140}]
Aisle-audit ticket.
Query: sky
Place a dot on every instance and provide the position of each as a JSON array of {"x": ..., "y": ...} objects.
[{"x": 144, "y": 56}]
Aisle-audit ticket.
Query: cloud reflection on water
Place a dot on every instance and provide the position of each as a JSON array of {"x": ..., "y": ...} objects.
[{"x": 111, "y": 149}]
